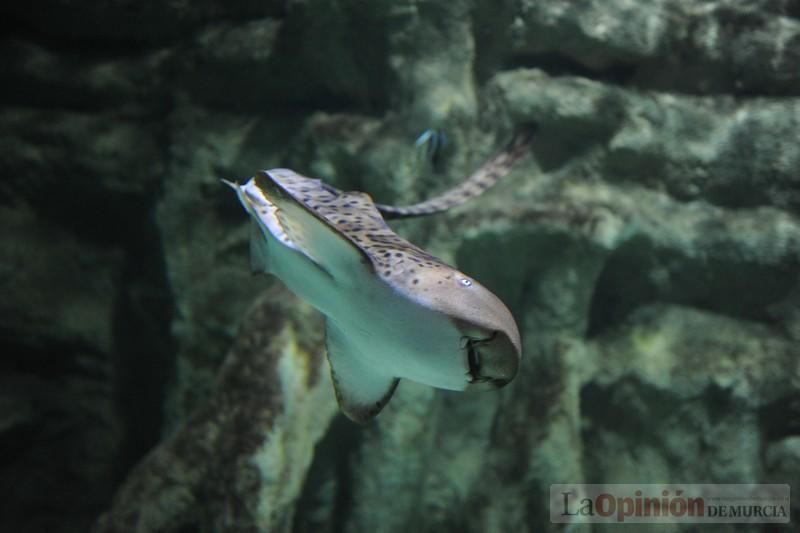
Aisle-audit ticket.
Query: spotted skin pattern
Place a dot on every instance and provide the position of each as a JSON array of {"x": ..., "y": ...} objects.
[
  {"x": 487, "y": 175},
  {"x": 354, "y": 215}
]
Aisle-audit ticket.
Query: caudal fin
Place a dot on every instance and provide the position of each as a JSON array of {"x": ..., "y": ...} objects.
[{"x": 487, "y": 175}]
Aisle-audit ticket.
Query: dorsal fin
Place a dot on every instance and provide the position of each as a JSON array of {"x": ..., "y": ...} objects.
[{"x": 487, "y": 175}]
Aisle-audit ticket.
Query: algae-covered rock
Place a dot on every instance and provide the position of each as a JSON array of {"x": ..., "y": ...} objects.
[
  {"x": 729, "y": 152},
  {"x": 648, "y": 245},
  {"x": 121, "y": 22},
  {"x": 707, "y": 47},
  {"x": 58, "y": 427},
  {"x": 239, "y": 461}
]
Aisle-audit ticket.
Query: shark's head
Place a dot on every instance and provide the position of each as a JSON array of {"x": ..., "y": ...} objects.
[{"x": 489, "y": 346}]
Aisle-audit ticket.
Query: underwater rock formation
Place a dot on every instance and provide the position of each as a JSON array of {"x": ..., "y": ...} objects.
[
  {"x": 648, "y": 246},
  {"x": 239, "y": 462}
]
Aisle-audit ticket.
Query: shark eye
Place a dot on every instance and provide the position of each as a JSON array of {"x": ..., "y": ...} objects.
[{"x": 465, "y": 282}]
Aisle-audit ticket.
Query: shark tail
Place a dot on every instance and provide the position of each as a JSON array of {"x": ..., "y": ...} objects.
[{"x": 487, "y": 175}]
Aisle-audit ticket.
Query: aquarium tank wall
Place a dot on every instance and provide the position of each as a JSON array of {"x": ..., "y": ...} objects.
[{"x": 622, "y": 178}]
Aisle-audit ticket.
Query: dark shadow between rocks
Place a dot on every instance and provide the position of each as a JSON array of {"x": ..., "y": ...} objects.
[
  {"x": 326, "y": 498},
  {"x": 639, "y": 273}
]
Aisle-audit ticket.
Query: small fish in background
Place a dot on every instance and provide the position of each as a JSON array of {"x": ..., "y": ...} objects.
[
  {"x": 432, "y": 143},
  {"x": 392, "y": 310}
]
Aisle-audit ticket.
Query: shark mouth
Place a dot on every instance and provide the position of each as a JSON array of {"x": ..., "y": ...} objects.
[{"x": 474, "y": 359}]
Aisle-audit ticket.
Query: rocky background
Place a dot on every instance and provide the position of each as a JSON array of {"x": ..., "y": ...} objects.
[{"x": 649, "y": 247}]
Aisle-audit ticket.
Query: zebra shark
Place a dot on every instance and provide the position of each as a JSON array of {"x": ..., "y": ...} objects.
[{"x": 392, "y": 310}]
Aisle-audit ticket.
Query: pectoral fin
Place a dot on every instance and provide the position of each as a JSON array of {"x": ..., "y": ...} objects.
[{"x": 362, "y": 390}]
